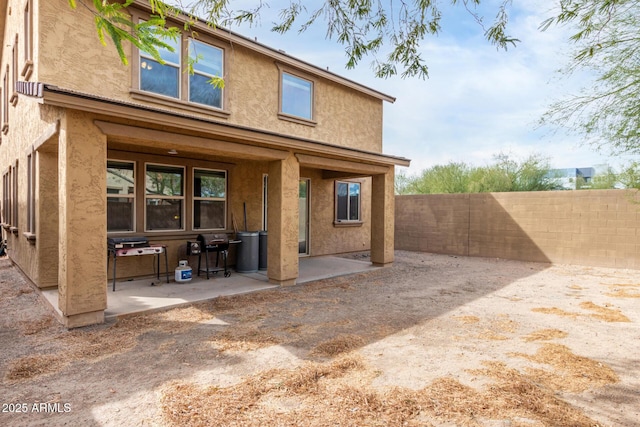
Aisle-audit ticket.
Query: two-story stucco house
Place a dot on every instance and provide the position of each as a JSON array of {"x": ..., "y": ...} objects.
[{"x": 92, "y": 149}]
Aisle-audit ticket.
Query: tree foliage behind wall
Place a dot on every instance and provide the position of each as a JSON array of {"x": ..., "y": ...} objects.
[{"x": 503, "y": 175}]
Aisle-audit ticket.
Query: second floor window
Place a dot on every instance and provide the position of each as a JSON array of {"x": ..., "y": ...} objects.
[
  {"x": 207, "y": 64},
  {"x": 297, "y": 96},
  {"x": 188, "y": 75},
  {"x": 163, "y": 79}
]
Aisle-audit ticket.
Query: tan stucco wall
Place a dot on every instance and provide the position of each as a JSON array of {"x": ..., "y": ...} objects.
[
  {"x": 284, "y": 176},
  {"x": 47, "y": 229},
  {"x": 326, "y": 237},
  {"x": 382, "y": 218},
  {"x": 245, "y": 189},
  {"x": 70, "y": 56},
  {"x": 587, "y": 227},
  {"x": 82, "y": 187},
  {"x": 27, "y": 123},
  {"x": 72, "y": 151}
]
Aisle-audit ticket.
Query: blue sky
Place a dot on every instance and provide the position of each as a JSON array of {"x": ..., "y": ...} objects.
[{"x": 477, "y": 102}]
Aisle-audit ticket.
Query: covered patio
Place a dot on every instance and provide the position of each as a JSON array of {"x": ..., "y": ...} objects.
[{"x": 140, "y": 296}]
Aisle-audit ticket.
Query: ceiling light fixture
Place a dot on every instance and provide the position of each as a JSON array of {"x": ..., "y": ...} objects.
[{"x": 173, "y": 152}]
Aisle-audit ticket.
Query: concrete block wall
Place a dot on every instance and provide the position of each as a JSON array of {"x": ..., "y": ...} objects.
[{"x": 589, "y": 227}]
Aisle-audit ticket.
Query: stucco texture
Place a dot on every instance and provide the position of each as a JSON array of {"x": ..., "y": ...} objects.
[
  {"x": 587, "y": 227},
  {"x": 82, "y": 210},
  {"x": 72, "y": 57}
]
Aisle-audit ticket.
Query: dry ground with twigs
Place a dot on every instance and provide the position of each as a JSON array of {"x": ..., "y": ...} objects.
[{"x": 434, "y": 340}]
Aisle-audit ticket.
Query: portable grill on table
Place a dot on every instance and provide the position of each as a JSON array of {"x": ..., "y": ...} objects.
[
  {"x": 134, "y": 246},
  {"x": 218, "y": 243}
]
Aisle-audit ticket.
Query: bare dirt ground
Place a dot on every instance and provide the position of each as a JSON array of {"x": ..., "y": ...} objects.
[{"x": 434, "y": 340}]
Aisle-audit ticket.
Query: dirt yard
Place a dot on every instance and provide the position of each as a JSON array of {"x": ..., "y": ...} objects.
[{"x": 434, "y": 340}]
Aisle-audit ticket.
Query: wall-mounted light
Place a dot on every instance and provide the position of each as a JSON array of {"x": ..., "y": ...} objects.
[{"x": 173, "y": 152}]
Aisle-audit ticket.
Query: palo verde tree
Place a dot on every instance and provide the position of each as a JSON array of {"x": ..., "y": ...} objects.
[
  {"x": 389, "y": 31},
  {"x": 607, "y": 44}
]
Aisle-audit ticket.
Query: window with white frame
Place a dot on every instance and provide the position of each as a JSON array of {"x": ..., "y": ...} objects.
[
  {"x": 347, "y": 201},
  {"x": 121, "y": 195},
  {"x": 296, "y": 96},
  {"x": 207, "y": 64},
  {"x": 164, "y": 197},
  {"x": 209, "y": 199},
  {"x": 162, "y": 79}
]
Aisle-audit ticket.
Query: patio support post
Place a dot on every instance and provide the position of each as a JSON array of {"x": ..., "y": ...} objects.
[
  {"x": 82, "y": 269},
  {"x": 382, "y": 218},
  {"x": 283, "y": 211}
]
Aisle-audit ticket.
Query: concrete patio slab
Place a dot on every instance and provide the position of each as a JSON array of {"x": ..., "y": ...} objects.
[{"x": 150, "y": 294}]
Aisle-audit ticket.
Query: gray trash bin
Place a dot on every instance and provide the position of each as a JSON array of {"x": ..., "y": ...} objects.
[
  {"x": 262, "y": 263},
  {"x": 247, "y": 258}
]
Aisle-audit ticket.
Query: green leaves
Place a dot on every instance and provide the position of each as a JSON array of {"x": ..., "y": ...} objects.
[
  {"x": 607, "y": 45},
  {"x": 504, "y": 175},
  {"x": 364, "y": 27}
]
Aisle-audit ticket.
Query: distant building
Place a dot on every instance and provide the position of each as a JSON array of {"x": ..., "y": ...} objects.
[{"x": 572, "y": 178}]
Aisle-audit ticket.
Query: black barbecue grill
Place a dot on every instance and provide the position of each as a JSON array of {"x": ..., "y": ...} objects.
[
  {"x": 218, "y": 243},
  {"x": 134, "y": 246}
]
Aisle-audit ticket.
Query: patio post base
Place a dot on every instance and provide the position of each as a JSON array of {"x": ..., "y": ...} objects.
[
  {"x": 83, "y": 319},
  {"x": 287, "y": 282}
]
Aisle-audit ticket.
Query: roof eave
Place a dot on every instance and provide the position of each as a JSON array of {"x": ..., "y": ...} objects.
[{"x": 52, "y": 95}]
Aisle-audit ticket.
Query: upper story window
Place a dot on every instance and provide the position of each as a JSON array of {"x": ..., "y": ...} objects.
[
  {"x": 188, "y": 77},
  {"x": 163, "y": 79},
  {"x": 296, "y": 96},
  {"x": 121, "y": 195},
  {"x": 207, "y": 64},
  {"x": 347, "y": 201},
  {"x": 164, "y": 197}
]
